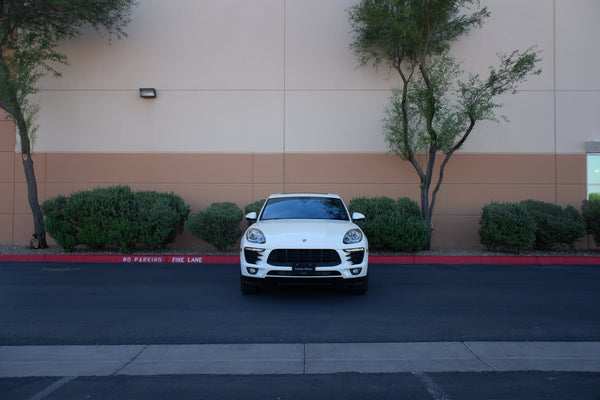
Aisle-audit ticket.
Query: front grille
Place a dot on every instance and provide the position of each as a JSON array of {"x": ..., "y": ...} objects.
[
  {"x": 315, "y": 273},
  {"x": 314, "y": 257}
]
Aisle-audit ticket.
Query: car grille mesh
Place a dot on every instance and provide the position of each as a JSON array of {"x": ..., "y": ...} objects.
[
  {"x": 315, "y": 257},
  {"x": 315, "y": 273},
  {"x": 252, "y": 256},
  {"x": 355, "y": 257}
]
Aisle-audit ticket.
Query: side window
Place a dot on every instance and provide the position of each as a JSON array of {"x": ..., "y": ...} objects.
[{"x": 593, "y": 175}]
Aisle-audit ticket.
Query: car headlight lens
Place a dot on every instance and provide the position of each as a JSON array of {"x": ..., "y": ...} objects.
[
  {"x": 254, "y": 235},
  {"x": 353, "y": 236}
]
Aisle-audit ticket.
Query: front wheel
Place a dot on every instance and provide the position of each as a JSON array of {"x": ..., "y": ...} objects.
[
  {"x": 361, "y": 287},
  {"x": 246, "y": 287}
]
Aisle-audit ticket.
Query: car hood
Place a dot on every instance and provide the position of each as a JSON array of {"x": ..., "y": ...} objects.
[{"x": 298, "y": 234}]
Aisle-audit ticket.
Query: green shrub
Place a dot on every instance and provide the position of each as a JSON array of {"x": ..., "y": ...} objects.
[
  {"x": 254, "y": 207},
  {"x": 161, "y": 217},
  {"x": 105, "y": 217},
  {"x": 375, "y": 210},
  {"x": 219, "y": 224},
  {"x": 507, "y": 227},
  {"x": 389, "y": 224},
  {"x": 594, "y": 197},
  {"x": 591, "y": 215},
  {"x": 554, "y": 225},
  {"x": 409, "y": 207},
  {"x": 114, "y": 217},
  {"x": 58, "y": 224},
  {"x": 573, "y": 226}
]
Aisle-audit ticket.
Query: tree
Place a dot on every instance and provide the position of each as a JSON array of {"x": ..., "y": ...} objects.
[
  {"x": 434, "y": 111},
  {"x": 30, "y": 33}
]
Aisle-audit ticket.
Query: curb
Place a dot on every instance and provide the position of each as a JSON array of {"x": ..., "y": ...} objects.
[{"x": 228, "y": 259}]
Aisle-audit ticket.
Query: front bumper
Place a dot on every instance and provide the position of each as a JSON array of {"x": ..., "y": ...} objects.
[
  {"x": 350, "y": 267},
  {"x": 309, "y": 281}
]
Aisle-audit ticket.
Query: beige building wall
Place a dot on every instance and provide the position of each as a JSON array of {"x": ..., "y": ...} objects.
[{"x": 266, "y": 96}]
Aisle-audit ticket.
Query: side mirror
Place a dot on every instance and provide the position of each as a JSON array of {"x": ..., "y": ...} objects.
[
  {"x": 252, "y": 217},
  {"x": 358, "y": 216}
]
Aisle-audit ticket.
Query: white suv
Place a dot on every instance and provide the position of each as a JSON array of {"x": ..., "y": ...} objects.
[{"x": 304, "y": 238}]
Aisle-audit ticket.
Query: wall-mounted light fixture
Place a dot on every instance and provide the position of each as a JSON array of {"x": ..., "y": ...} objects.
[{"x": 148, "y": 93}]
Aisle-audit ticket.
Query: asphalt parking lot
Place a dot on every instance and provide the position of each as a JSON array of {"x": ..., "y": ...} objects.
[{"x": 422, "y": 331}]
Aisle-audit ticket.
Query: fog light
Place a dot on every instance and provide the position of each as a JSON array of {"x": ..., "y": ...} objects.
[
  {"x": 252, "y": 270},
  {"x": 355, "y": 271}
]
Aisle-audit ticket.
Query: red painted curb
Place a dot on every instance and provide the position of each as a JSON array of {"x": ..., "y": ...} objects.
[
  {"x": 215, "y": 259},
  {"x": 126, "y": 259},
  {"x": 512, "y": 260}
]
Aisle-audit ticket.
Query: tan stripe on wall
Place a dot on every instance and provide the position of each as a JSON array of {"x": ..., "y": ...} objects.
[{"x": 471, "y": 181}]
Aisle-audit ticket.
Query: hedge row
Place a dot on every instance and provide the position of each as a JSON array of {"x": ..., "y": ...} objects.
[
  {"x": 591, "y": 215},
  {"x": 120, "y": 218},
  {"x": 396, "y": 225},
  {"x": 115, "y": 217},
  {"x": 219, "y": 224},
  {"x": 513, "y": 227}
]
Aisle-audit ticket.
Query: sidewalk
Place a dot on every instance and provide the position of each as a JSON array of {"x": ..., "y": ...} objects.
[{"x": 309, "y": 358}]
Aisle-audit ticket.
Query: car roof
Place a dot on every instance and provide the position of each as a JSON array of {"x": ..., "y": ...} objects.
[{"x": 324, "y": 195}]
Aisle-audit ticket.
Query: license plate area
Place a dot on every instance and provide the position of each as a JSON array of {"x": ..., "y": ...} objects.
[{"x": 303, "y": 269}]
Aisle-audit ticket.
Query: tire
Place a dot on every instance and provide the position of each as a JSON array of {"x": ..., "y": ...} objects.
[
  {"x": 361, "y": 288},
  {"x": 246, "y": 287}
]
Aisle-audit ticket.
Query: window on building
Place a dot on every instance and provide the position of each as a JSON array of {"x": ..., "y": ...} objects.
[{"x": 593, "y": 174}]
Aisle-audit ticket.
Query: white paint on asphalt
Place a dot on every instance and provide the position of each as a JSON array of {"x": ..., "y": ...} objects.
[
  {"x": 52, "y": 388},
  {"x": 432, "y": 388}
]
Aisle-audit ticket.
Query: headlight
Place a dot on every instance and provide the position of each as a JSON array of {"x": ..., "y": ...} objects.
[
  {"x": 353, "y": 236},
  {"x": 254, "y": 235}
]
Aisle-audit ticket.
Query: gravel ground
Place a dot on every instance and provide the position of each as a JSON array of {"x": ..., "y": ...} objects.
[{"x": 198, "y": 250}]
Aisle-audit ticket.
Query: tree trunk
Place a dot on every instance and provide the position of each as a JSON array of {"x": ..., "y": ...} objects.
[
  {"x": 426, "y": 210},
  {"x": 39, "y": 241}
]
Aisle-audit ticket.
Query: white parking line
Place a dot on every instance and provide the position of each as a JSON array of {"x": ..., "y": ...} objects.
[
  {"x": 52, "y": 388},
  {"x": 432, "y": 388}
]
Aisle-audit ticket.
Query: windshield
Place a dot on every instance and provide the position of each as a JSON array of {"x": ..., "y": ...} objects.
[{"x": 305, "y": 208}]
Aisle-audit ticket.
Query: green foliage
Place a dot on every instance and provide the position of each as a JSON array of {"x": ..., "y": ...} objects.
[
  {"x": 30, "y": 34},
  {"x": 59, "y": 224},
  {"x": 396, "y": 225},
  {"x": 219, "y": 224},
  {"x": 572, "y": 227},
  {"x": 393, "y": 30},
  {"x": 506, "y": 227},
  {"x": 254, "y": 207},
  {"x": 594, "y": 197},
  {"x": 531, "y": 223},
  {"x": 427, "y": 115},
  {"x": 554, "y": 225},
  {"x": 114, "y": 217},
  {"x": 102, "y": 214},
  {"x": 591, "y": 215},
  {"x": 33, "y": 52},
  {"x": 162, "y": 216}
]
